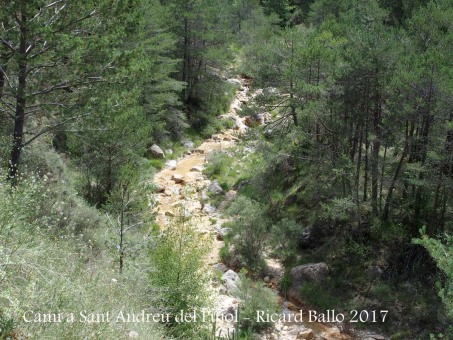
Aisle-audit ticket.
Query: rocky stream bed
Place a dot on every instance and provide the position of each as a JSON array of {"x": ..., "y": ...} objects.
[{"x": 181, "y": 186}]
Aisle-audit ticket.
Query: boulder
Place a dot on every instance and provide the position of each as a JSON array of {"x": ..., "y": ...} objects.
[
  {"x": 312, "y": 272},
  {"x": 230, "y": 281},
  {"x": 156, "y": 151},
  {"x": 171, "y": 164},
  {"x": 220, "y": 268},
  {"x": 209, "y": 209},
  {"x": 177, "y": 178},
  {"x": 215, "y": 188},
  {"x": 169, "y": 152},
  {"x": 234, "y": 82},
  {"x": 197, "y": 168},
  {"x": 188, "y": 144}
]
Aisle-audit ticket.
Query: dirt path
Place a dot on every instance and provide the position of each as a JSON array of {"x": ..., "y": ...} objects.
[{"x": 182, "y": 190}]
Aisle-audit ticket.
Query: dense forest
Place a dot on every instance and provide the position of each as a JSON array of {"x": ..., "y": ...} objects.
[{"x": 341, "y": 162}]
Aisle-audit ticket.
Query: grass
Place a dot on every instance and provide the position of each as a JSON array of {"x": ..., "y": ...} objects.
[
  {"x": 221, "y": 166},
  {"x": 56, "y": 257}
]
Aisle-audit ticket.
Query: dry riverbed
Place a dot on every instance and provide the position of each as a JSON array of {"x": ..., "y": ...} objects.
[{"x": 183, "y": 190}]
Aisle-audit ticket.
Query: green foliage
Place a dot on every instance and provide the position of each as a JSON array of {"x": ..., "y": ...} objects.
[
  {"x": 321, "y": 296},
  {"x": 47, "y": 266},
  {"x": 442, "y": 252},
  {"x": 6, "y": 327},
  {"x": 339, "y": 209},
  {"x": 218, "y": 162},
  {"x": 179, "y": 277},
  {"x": 284, "y": 236},
  {"x": 254, "y": 296},
  {"x": 249, "y": 233},
  {"x": 285, "y": 282},
  {"x": 210, "y": 98}
]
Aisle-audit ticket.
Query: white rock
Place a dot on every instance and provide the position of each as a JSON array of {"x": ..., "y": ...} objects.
[
  {"x": 215, "y": 188},
  {"x": 156, "y": 151},
  {"x": 188, "y": 144},
  {"x": 209, "y": 209},
  {"x": 170, "y": 164},
  {"x": 230, "y": 280},
  {"x": 234, "y": 81}
]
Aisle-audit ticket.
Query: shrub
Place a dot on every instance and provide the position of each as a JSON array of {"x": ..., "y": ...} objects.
[
  {"x": 42, "y": 270},
  {"x": 179, "y": 276},
  {"x": 218, "y": 162},
  {"x": 249, "y": 232},
  {"x": 254, "y": 297},
  {"x": 284, "y": 236},
  {"x": 443, "y": 255},
  {"x": 322, "y": 297}
]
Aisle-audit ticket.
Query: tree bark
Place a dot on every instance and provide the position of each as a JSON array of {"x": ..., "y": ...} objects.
[
  {"x": 388, "y": 200},
  {"x": 19, "y": 119},
  {"x": 365, "y": 179}
]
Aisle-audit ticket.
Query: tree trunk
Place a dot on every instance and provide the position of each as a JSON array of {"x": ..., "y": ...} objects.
[
  {"x": 423, "y": 148},
  {"x": 376, "y": 146},
  {"x": 382, "y": 177},
  {"x": 19, "y": 119},
  {"x": 186, "y": 60},
  {"x": 2, "y": 79},
  {"x": 357, "y": 176},
  {"x": 365, "y": 178},
  {"x": 388, "y": 200},
  {"x": 375, "y": 175}
]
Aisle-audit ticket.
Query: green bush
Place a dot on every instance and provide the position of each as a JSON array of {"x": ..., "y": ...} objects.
[
  {"x": 179, "y": 275},
  {"x": 284, "y": 236},
  {"x": 442, "y": 252},
  {"x": 249, "y": 232},
  {"x": 218, "y": 163},
  {"x": 254, "y": 297},
  {"x": 319, "y": 296}
]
